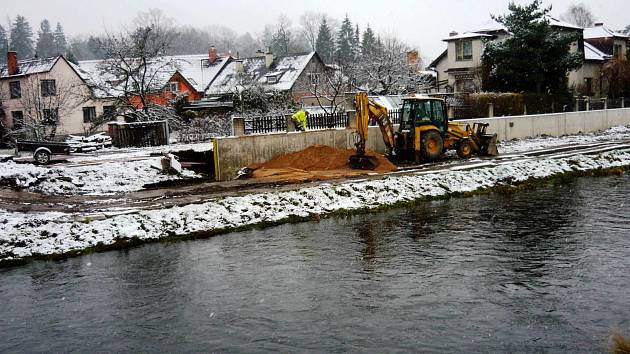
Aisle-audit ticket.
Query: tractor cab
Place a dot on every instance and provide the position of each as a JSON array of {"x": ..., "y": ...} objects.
[
  {"x": 420, "y": 110},
  {"x": 423, "y": 125}
]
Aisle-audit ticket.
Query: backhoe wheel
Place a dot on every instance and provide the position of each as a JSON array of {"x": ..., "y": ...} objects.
[
  {"x": 431, "y": 145},
  {"x": 464, "y": 149},
  {"x": 42, "y": 157}
]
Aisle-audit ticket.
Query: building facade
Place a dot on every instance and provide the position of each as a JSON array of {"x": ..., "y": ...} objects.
[{"x": 48, "y": 92}]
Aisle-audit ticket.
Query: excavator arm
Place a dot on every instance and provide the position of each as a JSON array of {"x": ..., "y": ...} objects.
[{"x": 366, "y": 110}]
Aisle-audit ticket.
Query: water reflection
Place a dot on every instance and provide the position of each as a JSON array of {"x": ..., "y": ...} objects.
[{"x": 537, "y": 271}]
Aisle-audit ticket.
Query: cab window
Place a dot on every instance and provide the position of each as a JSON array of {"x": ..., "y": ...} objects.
[
  {"x": 438, "y": 112},
  {"x": 423, "y": 112}
]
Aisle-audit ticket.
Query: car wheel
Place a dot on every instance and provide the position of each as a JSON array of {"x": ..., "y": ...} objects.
[{"x": 42, "y": 157}]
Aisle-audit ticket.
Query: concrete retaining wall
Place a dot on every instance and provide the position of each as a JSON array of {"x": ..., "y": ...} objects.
[
  {"x": 233, "y": 153},
  {"x": 557, "y": 124}
]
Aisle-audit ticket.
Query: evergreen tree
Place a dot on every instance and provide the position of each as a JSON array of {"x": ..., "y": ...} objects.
[
  {"x": 71, "y": 57},
  {"x": 22, "y": 37},
  {"x": 368, "y": 44},
  {"x": 45, "y": 40},
  {"x": 345, "y": 38},
  {"x": 356, "y": 43},
  {"x": 536, "y": 58},
  {"x": 4, "y": 41},
  {"x": 324, "y": 44},
  {"x": 61, "y": 45}
]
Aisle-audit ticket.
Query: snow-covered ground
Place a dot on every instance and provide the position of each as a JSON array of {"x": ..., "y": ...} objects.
[
  {"x": 103, "y": 178},
  {"x": 107, "y": 171},
  {"x": 24, "y": 234},
  {"x": 612, "y": 134}
]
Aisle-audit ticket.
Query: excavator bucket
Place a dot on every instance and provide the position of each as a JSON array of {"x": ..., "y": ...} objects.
[
  {"x": 489, "y": 147},
  {"x": 363, "y": 162},
  {"x": 487, "y": 142}
]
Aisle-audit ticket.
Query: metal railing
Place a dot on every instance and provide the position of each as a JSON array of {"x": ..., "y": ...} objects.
[
  {"x": 327, "y": 121},
  {"x": 265, "y": 124}
]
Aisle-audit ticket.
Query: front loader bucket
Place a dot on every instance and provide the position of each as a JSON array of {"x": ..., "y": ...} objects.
[
  {"x": 363, "y": 162},
  {"x": 489, "y": 147}
]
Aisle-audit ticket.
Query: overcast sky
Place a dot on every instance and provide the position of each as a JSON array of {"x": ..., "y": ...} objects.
[{"x": 422, "y": 23}]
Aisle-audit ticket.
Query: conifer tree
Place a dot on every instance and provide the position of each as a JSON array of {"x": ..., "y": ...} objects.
[
  {"x": 508, "y": 65},
  {"x": 22, "y": 37},
  {"x": 45, "y": 40},
  {"x": 324, "y": 44},
  {"x": 345, "y": 38},
  {"x": 61, "y": 45},
  {"x": 368, "y": 44},
  {"x": 4, "y": 41},
  {"x": 356, "y": 43}
]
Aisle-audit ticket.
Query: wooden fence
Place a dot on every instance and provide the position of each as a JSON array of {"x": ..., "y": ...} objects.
[{"x": 139, "y": 134}]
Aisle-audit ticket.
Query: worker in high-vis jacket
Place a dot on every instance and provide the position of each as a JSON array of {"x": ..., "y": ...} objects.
[{"x": 299, "y": 119}]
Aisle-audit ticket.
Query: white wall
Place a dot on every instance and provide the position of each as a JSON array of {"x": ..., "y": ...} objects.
[{"x": 557, "y": 124}]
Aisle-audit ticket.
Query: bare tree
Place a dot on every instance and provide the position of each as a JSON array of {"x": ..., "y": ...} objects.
[
  {"x": 329, "y": 85},
  {"x": 309, "y": 25},
  {"x": 136, "y": 67},
  {"x": 579, "y": 14},
  {"x": 386, "y": 70}
]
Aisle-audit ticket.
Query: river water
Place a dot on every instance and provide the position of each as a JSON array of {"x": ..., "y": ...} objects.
[{"x": 546, "y": 270}]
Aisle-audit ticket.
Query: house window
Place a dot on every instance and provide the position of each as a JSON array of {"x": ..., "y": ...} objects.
[
  {"x": 89, "y": 114},
  {"x": 51, "y": 116},
  {"x": 18, "y": 119},
  {"x": 174, "y": 87},
  {"x": 315, "y": 78},
  {"x": 464, "y": 50},
  {"x": 272, "y": 79},
  {"x": 16, "y": 89},
  {"x": 49, "y": 88}
]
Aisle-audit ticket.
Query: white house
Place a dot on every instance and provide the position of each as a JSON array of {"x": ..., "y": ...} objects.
[
  {"x": 458, "y": 67},
  {"x": 48, "y": 91}
]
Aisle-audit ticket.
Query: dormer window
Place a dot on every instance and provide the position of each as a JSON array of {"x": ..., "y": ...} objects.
[
  {"x": 464, "y": 50},
  {"x": 273, "y": 78}
]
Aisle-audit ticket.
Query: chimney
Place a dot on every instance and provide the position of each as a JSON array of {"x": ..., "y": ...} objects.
[
  {"x": 599, "y": 24},
  {"x": 12, "y": 63},
  {"x": 212, "y": 55},
  {"x": 240, "y": 68},
  {"x": 453, "y": 34},
  {"x": 412, "y": 57},
  {"x": 268, "y": 58}
]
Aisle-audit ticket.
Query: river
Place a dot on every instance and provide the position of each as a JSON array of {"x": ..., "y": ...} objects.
[{"x": 545, "y": 270}]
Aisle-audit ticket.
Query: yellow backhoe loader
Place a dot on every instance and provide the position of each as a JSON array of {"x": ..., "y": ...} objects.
[{"x": 424, "y": 133}]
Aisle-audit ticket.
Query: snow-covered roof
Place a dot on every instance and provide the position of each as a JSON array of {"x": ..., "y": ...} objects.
[
  {"x": 286, "y": 69},
  {"x": 558, "y": 23},
  {"x": 602, "y": 32},
  {"x": 392, "y": 103},
  {"x": 592, "y": 53},
  {"x": 491, "y": 25},
  {"x": 195, "y": 68},
  {"x": 466, "y": 35},
  {"x": 31, "y": 66}
]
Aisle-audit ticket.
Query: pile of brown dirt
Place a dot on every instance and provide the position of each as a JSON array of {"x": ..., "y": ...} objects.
[{"x": 315, "y": 163}]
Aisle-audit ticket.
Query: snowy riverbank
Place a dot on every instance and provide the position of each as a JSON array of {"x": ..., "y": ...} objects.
[{"x": 53, "y": 233}]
